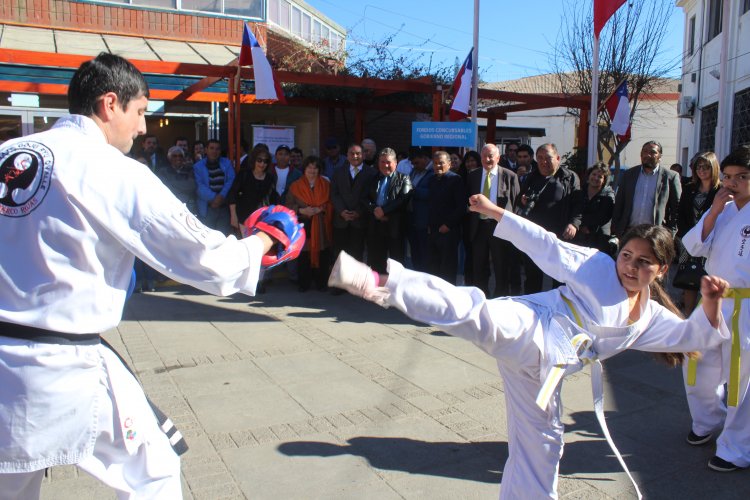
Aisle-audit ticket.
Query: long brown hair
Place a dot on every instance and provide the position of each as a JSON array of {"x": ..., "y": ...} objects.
[{"x": 662, "y": 245}]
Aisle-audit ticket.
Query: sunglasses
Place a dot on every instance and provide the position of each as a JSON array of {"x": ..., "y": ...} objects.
[{"x": 263, "y": 160}]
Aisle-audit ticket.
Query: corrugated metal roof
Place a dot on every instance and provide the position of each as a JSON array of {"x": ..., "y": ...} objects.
[{"x": 132, "y": 47}]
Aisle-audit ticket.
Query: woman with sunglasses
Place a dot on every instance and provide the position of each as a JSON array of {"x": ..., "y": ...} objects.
[
  {"x": 253, "y": 188},
  {"x": 697, "y": 197}
]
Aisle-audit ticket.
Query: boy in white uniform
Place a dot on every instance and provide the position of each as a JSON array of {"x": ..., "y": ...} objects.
[
  {"x": 74, "y": 210},
  {"x": 536, "y": 338},
  {"x": 723, "y": 237}
]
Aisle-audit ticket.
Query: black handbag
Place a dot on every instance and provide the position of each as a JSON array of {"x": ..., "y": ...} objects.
[{"x": 689, "y": 274}]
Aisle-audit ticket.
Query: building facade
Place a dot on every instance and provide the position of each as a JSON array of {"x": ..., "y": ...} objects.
[
  {"x": 199, "y": 32},
  {"x": 714, "y": 106}
]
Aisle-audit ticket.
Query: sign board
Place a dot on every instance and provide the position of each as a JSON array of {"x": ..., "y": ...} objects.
[
  {"x": 447, "y": 134},
  {"x": 273, "y": 136}
]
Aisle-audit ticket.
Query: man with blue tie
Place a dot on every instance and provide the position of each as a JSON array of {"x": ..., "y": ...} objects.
[{"x": 388, "y": 197}]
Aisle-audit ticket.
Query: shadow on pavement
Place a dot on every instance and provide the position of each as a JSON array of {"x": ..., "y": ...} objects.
[{"x": 473, "y": 462}]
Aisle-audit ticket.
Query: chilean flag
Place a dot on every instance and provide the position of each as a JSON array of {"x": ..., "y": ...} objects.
[
  {"x": 618, "y": 107},
  {"x": 603, "y": 10},
  {"x": 251, "y": 53},
  {"x": 462, "y": 91}
]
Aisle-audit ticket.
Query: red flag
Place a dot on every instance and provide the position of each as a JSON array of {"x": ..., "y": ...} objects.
[
  {"x": 266, "y": 85},
  {"x": 603, "y": 10},
  {"x": 462, "y": 91},
  {"x": 618, "y": 107}
]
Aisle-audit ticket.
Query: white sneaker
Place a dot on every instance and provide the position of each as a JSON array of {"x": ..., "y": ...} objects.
[{"x": 352, "y": 275}]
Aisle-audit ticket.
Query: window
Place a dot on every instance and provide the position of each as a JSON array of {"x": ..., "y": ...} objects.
[
  {"x": 316, "y": 29},
  {"x": 715, "y": 10},
  {"x": 741, "y": 119},
  {"x": 273, "y": 11},
  {"x": 201, "y": 5},
  {"x": 709, "y": 119},
  {"x": 325, "y": 35},
  {"x": 297, "y": 21},
  {"x": 691, "y": 36},
  {"x": 306, "y": 21},
  {"x": 247, "y": 9},
  {"x": 284, "y": 8}
]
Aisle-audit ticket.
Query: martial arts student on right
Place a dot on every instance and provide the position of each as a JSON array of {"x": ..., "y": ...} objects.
[
  {"x": 723, "y": 237},
  {"x": 604, "y": 308}
]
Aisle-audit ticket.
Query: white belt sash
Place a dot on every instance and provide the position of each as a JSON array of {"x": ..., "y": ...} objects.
[{"x": 582, "y": 343}]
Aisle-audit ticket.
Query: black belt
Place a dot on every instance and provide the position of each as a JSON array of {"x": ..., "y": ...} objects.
[{"x": 43, "y": 336}]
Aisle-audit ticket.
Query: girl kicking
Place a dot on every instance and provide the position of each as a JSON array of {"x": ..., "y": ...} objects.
[{"x": 605, "y": 307}]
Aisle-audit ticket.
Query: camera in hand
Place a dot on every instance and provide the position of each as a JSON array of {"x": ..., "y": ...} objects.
[{"x": 531, "y": 199}]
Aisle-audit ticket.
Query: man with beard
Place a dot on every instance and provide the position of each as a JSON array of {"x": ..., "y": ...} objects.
[{"x": 647, "y": 194}]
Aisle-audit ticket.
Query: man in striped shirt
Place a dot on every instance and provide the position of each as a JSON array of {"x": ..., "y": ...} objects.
[{"x": 214, "y": 176}]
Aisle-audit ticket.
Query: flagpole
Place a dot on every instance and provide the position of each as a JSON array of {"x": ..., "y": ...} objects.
[
  {"x": 475, "y": 74},
  {"x": 594, "y": 113}
]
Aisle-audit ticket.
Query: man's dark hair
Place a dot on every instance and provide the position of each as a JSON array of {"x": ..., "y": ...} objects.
[
  {"x": 106, "y": 73},
  {"x": 213, "y": 141},
  {"x": 295, "y": 149},
  {"x": 181, "y": 138},
  {"x": 739, "y": 157},
  {"x": 527, "y": 148},
  {"x": 654, "y": 143}
]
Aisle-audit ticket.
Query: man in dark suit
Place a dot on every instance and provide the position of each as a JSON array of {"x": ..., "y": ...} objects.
[
  {"x": 387, "y": 196},
  {"x": 153, "y": 154},
  {"x": 510, "y": 160},
  {"x": 349, "y": 185},
  {"x": 447, "y": 202},
  {"x": 549, "y": 198},
  {"x": 501, "y": 186},
  {"x": 419, "y": 211},
  {"x": 647, "y": 194}
]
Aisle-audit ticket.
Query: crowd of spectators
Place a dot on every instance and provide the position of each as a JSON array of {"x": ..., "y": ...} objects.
[{"x": 377, "y": 204}]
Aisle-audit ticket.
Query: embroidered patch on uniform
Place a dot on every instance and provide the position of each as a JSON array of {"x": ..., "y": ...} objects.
[
  {"x": 196, "y": 227},
  {"x": 744, "y": 241},
  {"x": 130, "y": 435},
  {"x": 25, "y": 172}
]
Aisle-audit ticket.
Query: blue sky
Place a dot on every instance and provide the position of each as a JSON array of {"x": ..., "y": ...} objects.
[{"x": 515, "y": 37}]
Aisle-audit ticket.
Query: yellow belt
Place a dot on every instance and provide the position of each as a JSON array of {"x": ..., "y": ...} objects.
[{"x": 733, "y": 384}]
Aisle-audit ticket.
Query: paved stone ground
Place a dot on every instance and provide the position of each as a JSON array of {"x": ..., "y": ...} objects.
[{"x": 306, "y": 395}]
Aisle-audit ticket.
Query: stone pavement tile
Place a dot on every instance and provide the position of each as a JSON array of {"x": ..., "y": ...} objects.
[
  {"x": 339, "y": 395},
  {"x": 245, "y": 408},
  {"x": 427, "y": 403},
  {"x": 318, "y": 467},
  {"x": 264, "y": 336},
  {"x": 175, "y": 339},
  {"x": 461, "y": 349},
  {"x": 417, "y": 363},
  {"x": 220, "y": 378},
  {"x": 489, "y": 412},
  {"x": 473, "y": 477}
]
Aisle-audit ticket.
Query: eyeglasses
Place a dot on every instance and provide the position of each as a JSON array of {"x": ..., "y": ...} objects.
[
  {"x": 512, "y": 150},
  {"x": 262, "y": 160},
  {"x": 703, "y": 166}
]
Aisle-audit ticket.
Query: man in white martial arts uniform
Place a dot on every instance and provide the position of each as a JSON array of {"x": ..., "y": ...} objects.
[
  {"x": 723, "y": 236},
  {"x": 74, "y": 210}
]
